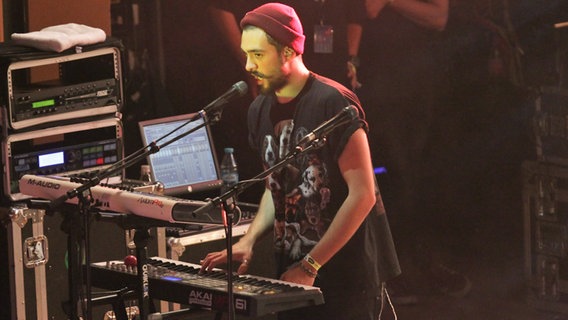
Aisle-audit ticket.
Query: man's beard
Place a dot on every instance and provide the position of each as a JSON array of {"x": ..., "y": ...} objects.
[{"x": 273, "y": 84}]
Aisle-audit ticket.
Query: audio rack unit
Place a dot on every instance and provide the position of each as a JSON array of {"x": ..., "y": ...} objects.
[
  {"x": 545, "y": 210},
  {"x": 550, "y": 125},
  {"x": 69, "y": 150},
  {"x": 64, "y": 87}
]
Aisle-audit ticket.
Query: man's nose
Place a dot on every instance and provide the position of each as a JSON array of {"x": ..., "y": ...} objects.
[{"x": 249, "y": 65}]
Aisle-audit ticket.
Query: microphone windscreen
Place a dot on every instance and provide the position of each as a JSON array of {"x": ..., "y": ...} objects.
[
  {"x": 353, "y": 112},
  {"x": 241, "y": 87}
]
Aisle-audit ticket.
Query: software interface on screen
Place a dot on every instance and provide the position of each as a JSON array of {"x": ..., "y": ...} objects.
[{"x": 186, "y": 165}]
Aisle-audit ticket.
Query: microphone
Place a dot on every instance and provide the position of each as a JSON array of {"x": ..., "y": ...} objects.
[
  {"x": 344, "y": 116},
  {"x": 239, "y": 89}
]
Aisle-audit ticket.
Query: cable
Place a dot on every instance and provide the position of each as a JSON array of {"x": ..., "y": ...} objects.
[{"x": 385, "y": 294}]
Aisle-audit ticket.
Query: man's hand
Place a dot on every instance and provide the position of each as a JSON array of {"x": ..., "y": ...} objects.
[
  {"x": 241, "y": 253},
  {"x": 295, "y": 274},
  {"x": 352, "y": 75}
]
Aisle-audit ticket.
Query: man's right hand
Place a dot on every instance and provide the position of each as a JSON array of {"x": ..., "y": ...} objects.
[{"x": 242, "y": 253}]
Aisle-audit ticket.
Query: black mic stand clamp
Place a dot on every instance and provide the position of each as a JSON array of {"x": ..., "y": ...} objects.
[{"x": 215, "y": 116}]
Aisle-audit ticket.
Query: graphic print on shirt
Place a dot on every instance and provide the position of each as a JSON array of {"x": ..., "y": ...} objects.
[{"x": 300, "y": 192}]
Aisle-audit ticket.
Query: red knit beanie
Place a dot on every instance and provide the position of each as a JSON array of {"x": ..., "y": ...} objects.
[{"x": 279, "y": 21}]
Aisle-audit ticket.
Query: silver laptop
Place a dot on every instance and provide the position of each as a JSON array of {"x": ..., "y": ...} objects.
[{"x": 188, "y": 164}]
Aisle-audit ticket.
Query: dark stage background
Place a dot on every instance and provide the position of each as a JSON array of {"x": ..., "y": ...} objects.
[{"x": 497, "y": 54}]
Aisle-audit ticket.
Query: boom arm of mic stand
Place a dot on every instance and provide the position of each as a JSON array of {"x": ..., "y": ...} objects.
[
  {"x": 243, "y": 185},
  {"x": 125, "y": 163},
  {"x": 142, "y": 152},
  {"x": 99, "y": 177}
]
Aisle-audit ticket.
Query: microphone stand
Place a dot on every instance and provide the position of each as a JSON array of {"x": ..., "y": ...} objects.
[
  {"x": 85, "y": 204},
  {"x": 224, "y": 200}
]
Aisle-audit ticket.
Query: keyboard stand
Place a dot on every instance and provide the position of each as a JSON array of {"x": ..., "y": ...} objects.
[{"x": 141, "y": 225}]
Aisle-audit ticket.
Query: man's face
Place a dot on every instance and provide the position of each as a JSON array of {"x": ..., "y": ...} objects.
[{"x": 264, "y": 61}]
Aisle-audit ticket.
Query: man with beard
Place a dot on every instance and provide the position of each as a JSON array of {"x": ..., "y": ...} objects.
[
  {"x": 345, "y": 245},
  {"x": 333, "y": 30}
]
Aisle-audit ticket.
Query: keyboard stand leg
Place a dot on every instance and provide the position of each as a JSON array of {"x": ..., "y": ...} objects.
[
  {"x": 119, "y": 307},
  {"x": 141, "y": 237},
  {"x": 117, "y": 302}
]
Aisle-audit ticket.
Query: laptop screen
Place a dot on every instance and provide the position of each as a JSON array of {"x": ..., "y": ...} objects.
[{"x": 186, "y": 165}]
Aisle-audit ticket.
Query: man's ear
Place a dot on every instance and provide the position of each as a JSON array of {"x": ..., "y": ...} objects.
[{"x": 288, "y": 52}]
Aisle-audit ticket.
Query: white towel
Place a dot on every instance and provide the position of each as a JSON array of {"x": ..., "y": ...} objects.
[{"x": 60, "y": 37}]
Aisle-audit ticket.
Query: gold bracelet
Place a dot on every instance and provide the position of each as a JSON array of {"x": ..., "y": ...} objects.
[
  {"x": 308, "y": 271},
  {"x": 312, "y": 262}
]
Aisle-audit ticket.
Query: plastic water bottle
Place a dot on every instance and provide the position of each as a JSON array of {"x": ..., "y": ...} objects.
[{"x": 229, "y": 170}]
